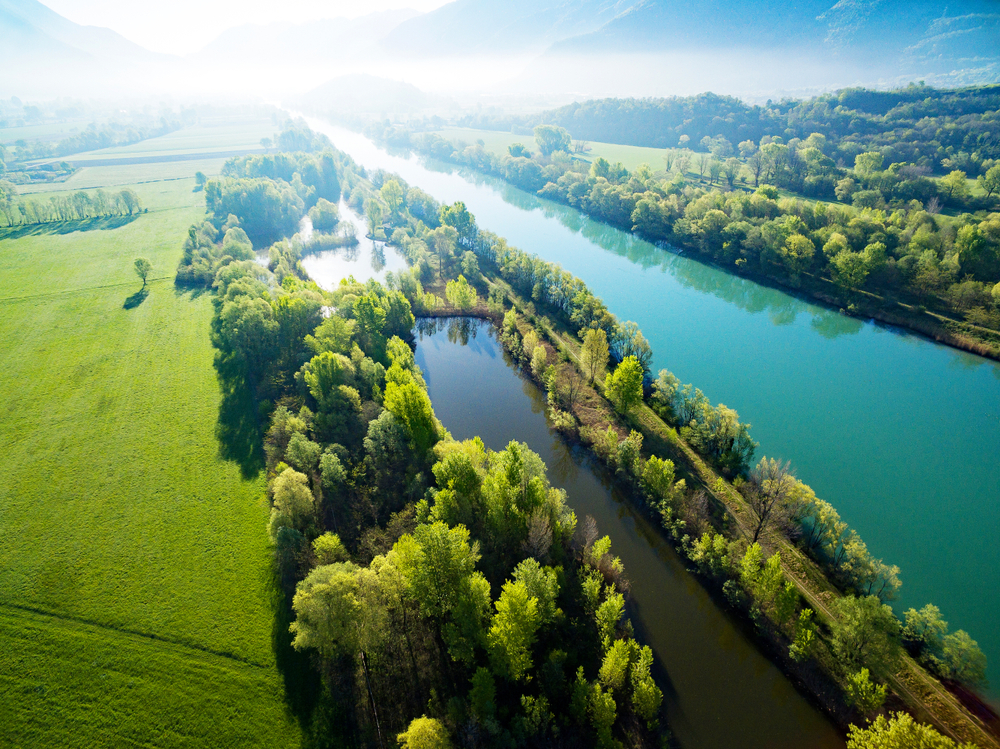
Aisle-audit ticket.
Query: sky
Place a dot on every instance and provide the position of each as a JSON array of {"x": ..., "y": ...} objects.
[{"x": 183, "y": 26}]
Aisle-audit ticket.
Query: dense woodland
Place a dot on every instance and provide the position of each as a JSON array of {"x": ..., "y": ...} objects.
[
  {"x": 442, "y": 590},
  {"x": 885, "y": 236},
  {"x": 437, "y": 585}
]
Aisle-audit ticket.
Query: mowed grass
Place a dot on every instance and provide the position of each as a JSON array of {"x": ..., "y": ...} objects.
[{"x": 136, "y": 601}]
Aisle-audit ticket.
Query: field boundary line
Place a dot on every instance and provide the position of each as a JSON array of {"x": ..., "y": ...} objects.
[
  {"x": 81, "y": 290},
  {"x": 134, "y": 633}
]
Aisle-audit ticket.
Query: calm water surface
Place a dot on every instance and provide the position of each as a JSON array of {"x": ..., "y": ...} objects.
[
  {"x": 720, "y": 692},
  {"x": 902, "y": 435}
]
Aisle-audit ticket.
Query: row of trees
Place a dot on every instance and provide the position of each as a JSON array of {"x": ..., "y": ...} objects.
[
  {"x": 427, "y": 577},
  {"x": 77, "y": 206}
]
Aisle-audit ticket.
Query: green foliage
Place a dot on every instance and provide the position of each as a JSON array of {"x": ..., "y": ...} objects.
[
  {"x": 142, "y": 269},
  {"x": 624, "y": 385},
  {"x": 864, "y": 694},
  {"x": 513, "y": 631},
  {"x": 866, "y": 634},
  {"x": 328, "y": 549},
  {"x": 293, "y": 505},
  {"x": 615, "y": 666},
  {"x": 608, "y": 615},
  {"x": 899, "y": 731},
  {"x": 646, "y": 696},
  {"x": 594, "y": 353},
  {"x": 327, "y": 611},
  {"x": 551, "y": 138},
  {"x": 425, "y": 733},
  {"x": 805, "y": 636},
  {"x": 461, "y": 294}
]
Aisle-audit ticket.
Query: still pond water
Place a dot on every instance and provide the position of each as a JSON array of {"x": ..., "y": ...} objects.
[
  {"x": 900, "y": 434},
  {"x": 719, "y": 691}
]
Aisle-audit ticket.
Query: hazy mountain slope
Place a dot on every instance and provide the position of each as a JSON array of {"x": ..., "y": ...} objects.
[
  {"x": 335, "y": 38},
  {"x": 891, "y": 35},
  {"x": 495, "y": 27},
  {"x": 368, "y": 94},
  {"x": 29, "y": 28}
]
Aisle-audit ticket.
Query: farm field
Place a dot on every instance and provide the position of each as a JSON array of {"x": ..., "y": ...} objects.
[
  {"x": 89, "y": 177},
  {"x": 135, "y": 575},
  {"x": 208, "y": 138}
]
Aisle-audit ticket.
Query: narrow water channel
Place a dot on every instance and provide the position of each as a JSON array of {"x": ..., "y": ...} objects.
[
  {"x": 719, "y": 691},
  {"x": 900, "y": 434}
]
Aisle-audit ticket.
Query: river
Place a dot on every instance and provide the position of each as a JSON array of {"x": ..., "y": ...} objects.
[
  {"x": 900, "y": 434},
  {"x": 719, "y": 691}
]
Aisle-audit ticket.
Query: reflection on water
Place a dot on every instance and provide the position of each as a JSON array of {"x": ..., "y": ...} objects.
[
  {"x": 365, "y": 260},
  {"x": 719, "y": 691}
]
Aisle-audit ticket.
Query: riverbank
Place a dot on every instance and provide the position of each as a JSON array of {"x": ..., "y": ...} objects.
[
  {"x": 912, "y": 687},
  {"x": 938, "y": 324}
]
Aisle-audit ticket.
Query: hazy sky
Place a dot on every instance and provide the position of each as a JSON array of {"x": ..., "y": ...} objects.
[{"x": 181, "y": 26}]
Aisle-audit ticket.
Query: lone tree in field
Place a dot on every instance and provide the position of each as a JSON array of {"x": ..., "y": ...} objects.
[{"x": 142, "y": 269}]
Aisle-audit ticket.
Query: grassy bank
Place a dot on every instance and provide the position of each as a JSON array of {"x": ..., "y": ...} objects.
[{"x": 135, "y": 588}]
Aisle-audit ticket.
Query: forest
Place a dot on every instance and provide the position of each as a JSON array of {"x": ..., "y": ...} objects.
[{"x": 428, "y": 575}]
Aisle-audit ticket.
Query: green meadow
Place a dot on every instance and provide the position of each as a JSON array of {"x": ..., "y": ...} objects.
[{"x": 136, "y": 599}]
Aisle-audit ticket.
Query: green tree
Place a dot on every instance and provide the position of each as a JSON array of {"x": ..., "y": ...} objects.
[
  {"x": 615, "y": 666},
  {"x": 899, "y": 731},
  {"x": 142, "y": 269},
  {"x": 624, "y": 385},
  {"x": 328, "y": 549},
  {"x": 393, "y": 195},
  {"x": 646, "y": 696},
  {"x": 551, "y": 138},
  {"x": 445, "y": 238},
  {"x": 955, "y": 186},
  {"x": 327, "y": 611},
  {"x": 594, "y": 353},
  {"x": 797, "y": 252},
  {"x": 425, "y": 733},
  {"x": 868, "y": 164},
  {"x": 409, "y": 403},
  {"x": 990, "y": 182},
  {"x": 294, "y": 504},
  {"x": 865, "y": 634},
  {"x": 850, "y": 271},
  {"x": 518, "y": 151},
  {"x": 863, "y": 693},
  {"x": 461, "y": 294},
  {"x": 373, "y": 213},
  {"x": 513, "y": 631}
]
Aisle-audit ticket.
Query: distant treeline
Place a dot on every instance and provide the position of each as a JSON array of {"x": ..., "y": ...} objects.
[
  {"x": 94, "y": 137},
  {"x": 939, "y": 129},
  {"x": 77, "y": 206}
]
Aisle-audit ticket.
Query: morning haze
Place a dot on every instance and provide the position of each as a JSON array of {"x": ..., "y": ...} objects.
[{"x": 347, "y": 350}]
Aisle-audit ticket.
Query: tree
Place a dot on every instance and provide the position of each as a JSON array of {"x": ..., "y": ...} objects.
[
  {"x": 445, "y": 238},
  {"x": 594, "y": 353},
  {"x": 461, "y": 294},
  {"x": 990, "y": 182},
  {"x": 900, "y": 731},
  {"x": 767, "y": 492},
  {"x": 294, "y": 504},
  {"x": 512, "y": 633},
  {"x": 551, "y": 138},
  {"x": 865, "y": 634},
  {"x": 425, "y": 733},
  {"x": 850, "y": 271},
  {"x": 142, "y": 269},
  {"x": 518, "y": 151},
  {"x": 624, "y": 385},
  {"x": 863, "y": 693},
  {"x": 393, "y": 196},
  {"x": 955, "y": 186},
  {"x": 798, "y": 252},
  {"x": 373, "y": 212},
  {"x": 327, "y": 611}
]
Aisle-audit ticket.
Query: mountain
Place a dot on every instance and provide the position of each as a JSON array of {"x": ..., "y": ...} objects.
[
  {"x": 315, "y": 41},
  {"x": 887, "y": 37},
  {"x": 367, "y": 94},
  {"x": 53, "y": 55},
  {"x": 495, "y": 28}
]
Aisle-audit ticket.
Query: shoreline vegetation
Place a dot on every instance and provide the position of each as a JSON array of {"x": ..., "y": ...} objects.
[
  {"x": 869, "y": 240},
  {"x": 368, "y": 492}
]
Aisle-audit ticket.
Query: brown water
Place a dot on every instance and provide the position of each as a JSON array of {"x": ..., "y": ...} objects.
[{"x": 719, "y": 691}]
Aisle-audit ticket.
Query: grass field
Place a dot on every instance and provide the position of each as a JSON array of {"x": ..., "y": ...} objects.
[
  {"x": 136, "y": 605},
  {"x": 89, "y": 177},
  {"x": 496, "y": 142},
  {"x": 226, "y": 136}
]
